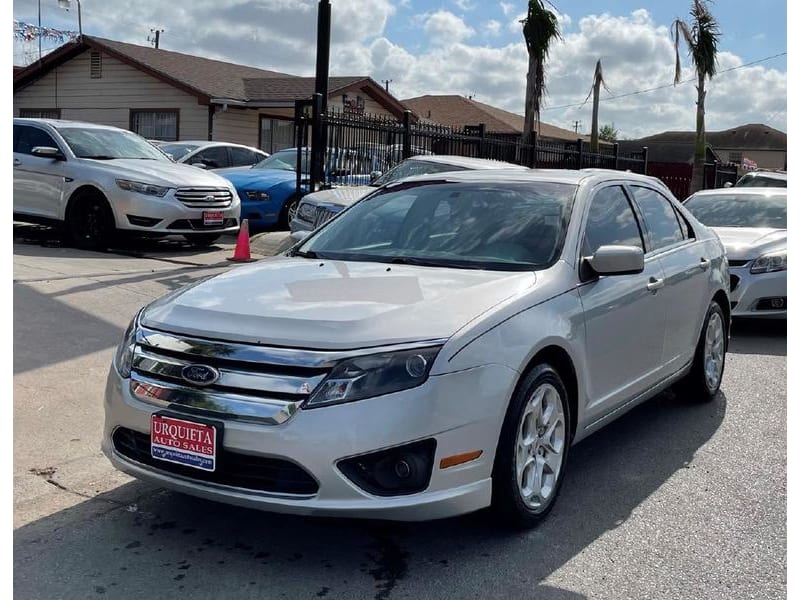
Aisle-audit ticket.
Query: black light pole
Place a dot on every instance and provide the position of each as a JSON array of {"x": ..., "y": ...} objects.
[{"x": 320, "y": 105}]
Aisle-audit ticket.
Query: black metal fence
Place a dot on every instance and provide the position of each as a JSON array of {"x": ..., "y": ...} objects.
[{"x": 360, "y": 146}]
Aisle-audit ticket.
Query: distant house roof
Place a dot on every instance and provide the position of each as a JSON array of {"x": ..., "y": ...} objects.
[
  {"x": 754, "y": 136},
  {"x": 459, "y": 111},
  {"x": 205, "y": 78},
  {"x": 666, "y": 151}
]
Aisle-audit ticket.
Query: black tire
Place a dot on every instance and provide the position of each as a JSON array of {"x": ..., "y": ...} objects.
[
  {"x": 508, "y": 504},
  {"x": 288, "y": 211},
  {"x": 89, "y": 222},
  {"x": 201, "y": 240},
  {"x": 696, "y": 385}
]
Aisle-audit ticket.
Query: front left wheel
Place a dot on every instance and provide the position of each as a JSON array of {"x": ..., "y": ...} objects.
[
  {"x": 533, "y": 448},
  {"x": 90, "y": 223},
  {"x": 288, "y": 211},
  {"x": 704, "y": 379}
]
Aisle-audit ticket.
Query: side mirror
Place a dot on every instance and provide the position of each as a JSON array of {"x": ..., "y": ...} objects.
[
  {"x": 728, "y": 184},
  {"x": 617, "y": 260},
  {"x": 374, "y": 175},
  {"x": 48, "y": 152},
  {"x": 200, "y": 165}
]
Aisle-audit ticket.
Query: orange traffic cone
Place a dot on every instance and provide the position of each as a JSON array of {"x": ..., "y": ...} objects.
[{"x": 242, "y": 251}]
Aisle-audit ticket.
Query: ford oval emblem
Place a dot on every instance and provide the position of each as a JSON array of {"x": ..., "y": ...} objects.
[{"x": 199, "y": 374}]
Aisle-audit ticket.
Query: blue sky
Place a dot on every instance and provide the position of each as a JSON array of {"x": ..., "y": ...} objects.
[{"x": 475, "y": 47}]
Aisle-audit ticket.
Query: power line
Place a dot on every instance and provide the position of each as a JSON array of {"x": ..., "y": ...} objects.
[{"x": 668, "y": 85}]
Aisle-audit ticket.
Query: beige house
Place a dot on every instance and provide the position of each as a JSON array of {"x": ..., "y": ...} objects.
[{"x": 166, "y": 95}]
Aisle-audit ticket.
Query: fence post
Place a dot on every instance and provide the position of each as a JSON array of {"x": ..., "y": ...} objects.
[
  {"x": 317, "y": 167},
  {"x": 406, "y": 134},
  {"x": 481, "y": 143},
  {"x": 533, "y": 160},
  {"x": 580, "y": 153},
  {"x": 300, "y": 139},
  {"x": 714, "y": 174},
  {"x": 644, "y": 158},
  {"x": 616, "y": 156}
]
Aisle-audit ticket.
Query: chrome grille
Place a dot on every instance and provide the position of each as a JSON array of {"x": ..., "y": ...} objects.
[
  {"x": 205, "y": 197},
  {"x": 322, "y": 216}
]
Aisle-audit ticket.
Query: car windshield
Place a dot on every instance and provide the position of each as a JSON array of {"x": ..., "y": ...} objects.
[
  {"x": 178, "y": 151},
  {"x": 761, "y": 181},
  {"x": 284, "y": 160},
  {"x": 410, "y": 167},
  {"x": 107, "y": 144},
  {"x": 739, "y": 210},
  {"x": 477, "y": 225}
]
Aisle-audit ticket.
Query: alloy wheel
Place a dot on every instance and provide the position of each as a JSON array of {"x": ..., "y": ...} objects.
[{"x": 714, "y": 350}]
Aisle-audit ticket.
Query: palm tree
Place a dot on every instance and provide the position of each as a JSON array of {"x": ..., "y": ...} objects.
[
  {"x": 596, "y": 83},
  {"x": 703, "y": 41},
  {"x": 540, "y": 28}
]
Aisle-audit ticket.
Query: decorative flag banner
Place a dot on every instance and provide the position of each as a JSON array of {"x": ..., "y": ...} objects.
[
  {"x": 749, "y": 165},
  {"x": 30, "y": 32}
]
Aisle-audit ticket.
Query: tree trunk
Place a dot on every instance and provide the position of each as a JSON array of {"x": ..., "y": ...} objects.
[
  {"x": 530, "y": 116},
  {"x": 699, "y": 167},
  {"x": 594, "y": 144}
]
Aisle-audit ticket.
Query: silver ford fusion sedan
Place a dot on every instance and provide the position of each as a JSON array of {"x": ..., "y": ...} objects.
[
  {"x": 434, "y": 350},
  {"x": 751, "y": 222}
]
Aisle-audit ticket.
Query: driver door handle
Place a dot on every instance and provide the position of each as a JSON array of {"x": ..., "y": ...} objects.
[
  {"x": 655, "y": 284},
  {"x": 704, "y": 264}
]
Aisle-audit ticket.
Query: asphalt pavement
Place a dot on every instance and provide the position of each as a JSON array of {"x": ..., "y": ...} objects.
[{"x": 673, "y": 500}]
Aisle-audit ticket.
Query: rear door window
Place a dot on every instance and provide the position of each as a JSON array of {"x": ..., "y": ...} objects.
[{"x": 215, "y": 157}]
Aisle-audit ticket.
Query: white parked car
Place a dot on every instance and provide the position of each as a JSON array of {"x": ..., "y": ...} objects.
[
  {"x": 434, "y": 350},
  {"x": 317, "y": 208},
  {"x": 751, "y": 222},
  {"x": 213, "y": 155},
  {"x": 98, "y": 180}
]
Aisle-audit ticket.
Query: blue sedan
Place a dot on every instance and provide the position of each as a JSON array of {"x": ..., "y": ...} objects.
[{"x": 268, "y": 191}]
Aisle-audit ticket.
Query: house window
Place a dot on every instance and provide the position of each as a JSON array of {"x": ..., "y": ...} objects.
[
  {"x": 735, "y": 157},
  {"x": 40, "y": 113},
  {"x": 159, "y": 124},
  {"x": 275, "y": 134},
  {"x": 95, "y": 65}
]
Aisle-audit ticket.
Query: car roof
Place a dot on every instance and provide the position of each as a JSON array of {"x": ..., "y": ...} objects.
[
  {"x": 206, "y": 143},
  {"x": 570, "y": 176},
  {"x": 61, "y": 123},
  {"x": 768, "y": 174},
  {"x": 467, "y": 162},
  {"x": 740, "y": 191}
]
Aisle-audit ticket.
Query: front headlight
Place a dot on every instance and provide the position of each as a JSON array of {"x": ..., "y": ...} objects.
[
  {"x": 306, "y": 212},
  {"x": 769, "y": 263},
  {"x": 374, "y": 375},
  {"x": 256, "y": 195},
  {"x": 123, "y": 359},
  {"x": 143, "y": 188}
]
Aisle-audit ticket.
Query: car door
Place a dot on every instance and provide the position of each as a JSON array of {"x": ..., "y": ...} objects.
[
  {"x": 685, "y": 263},
  {"x": 624, "y": 314},
  {"x": 38, "y": 181}
]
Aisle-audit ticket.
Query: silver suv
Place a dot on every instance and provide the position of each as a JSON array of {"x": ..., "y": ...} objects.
[{"x": 98, "y": 180}]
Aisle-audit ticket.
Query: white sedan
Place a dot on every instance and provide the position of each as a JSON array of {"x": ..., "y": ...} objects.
[
  {"x": 434, "y": 350},
  {"x": 212, "y": 155},
  {"x": 751, "y": 222}
]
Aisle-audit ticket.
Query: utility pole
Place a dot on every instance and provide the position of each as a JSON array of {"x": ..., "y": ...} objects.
[
  {"x": 39, "y": 33},
  {"x": 386, "y": 82},
  {"x": 157, "y": 37}
]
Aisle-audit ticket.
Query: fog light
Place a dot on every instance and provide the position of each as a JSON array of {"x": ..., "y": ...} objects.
[
  {"x": 393, "y": 472},
  {"x": 777, "y": 303}
]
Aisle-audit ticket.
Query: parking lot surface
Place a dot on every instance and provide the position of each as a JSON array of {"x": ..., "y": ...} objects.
[{"x": 673, "y": 500}]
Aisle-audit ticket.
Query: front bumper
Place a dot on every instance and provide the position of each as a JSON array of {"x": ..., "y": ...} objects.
[
  {"x": 462, "y": 411},
  {"x": 748, "y": 289},
  {"x": 143, "y": 214}
]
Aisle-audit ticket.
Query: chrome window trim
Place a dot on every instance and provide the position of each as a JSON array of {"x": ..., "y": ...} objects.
[{"x": 264, "y": 355}]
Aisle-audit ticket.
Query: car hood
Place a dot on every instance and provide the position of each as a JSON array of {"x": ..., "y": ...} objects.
[
  {"x": 261, "y": 178},
  {"x": 341, "y": 196},
  {"x": 333, "y": 305},
  {"x": 746, "y": 243},
  {"x": 158, "y": 172}
]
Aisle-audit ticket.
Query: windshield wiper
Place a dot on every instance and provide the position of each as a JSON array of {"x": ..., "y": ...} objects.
[
  {"x": 306, "y": 254},
  {"x": 100, "y": 157},
  {"x": 432, "y": 262}
]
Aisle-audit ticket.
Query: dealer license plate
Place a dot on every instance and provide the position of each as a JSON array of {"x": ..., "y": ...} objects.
[
  {"x": 183, "y": 442},
  {"x": 213, "y": 217}
]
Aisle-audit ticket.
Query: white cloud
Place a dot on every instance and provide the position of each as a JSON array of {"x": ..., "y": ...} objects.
[
  {"x": 464, "y": 4},
  {"x": 507, "y": 8},
  {"x": 492, "y": 27},
  {"x": 445, "y": 28}
]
